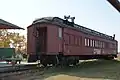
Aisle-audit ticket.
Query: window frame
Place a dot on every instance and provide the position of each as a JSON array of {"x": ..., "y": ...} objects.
[{"x": 60, "y": 32}]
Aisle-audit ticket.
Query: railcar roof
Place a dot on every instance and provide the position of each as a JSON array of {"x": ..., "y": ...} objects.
[
  {"x": 83, "y": 29},
  {"x": 10, "y": 25}
]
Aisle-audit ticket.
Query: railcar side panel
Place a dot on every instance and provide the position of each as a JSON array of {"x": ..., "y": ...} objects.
[
  {"x": 54, "y": 43},
  {"x": 71, "y": 38},
  {"x": 31, "y": 40},
  {"x": 74, "y": 43}
]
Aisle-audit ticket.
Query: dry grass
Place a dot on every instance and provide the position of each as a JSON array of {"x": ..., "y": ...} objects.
[{"x": 87, "y": 70}]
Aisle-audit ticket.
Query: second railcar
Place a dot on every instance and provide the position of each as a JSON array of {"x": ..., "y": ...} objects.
[{"x": 53, "y": 40}]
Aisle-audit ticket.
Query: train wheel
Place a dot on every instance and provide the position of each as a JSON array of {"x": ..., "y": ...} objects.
[
  {"x": 44, "y": 64},
  {"x": 76, "y": 62},
  {"x": 64, "y": 62},
  {"x": 55, "y": 61},
  {"x": 109, "y": 58}
]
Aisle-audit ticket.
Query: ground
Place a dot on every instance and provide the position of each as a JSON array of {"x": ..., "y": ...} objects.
[{"x": 87, "y": 70}]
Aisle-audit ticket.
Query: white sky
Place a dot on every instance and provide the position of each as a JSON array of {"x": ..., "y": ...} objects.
[{"x": 95, "y": 14}]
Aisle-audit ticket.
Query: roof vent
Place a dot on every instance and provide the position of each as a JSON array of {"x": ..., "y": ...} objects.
[
  {"x": 68, "y": 17},
  {"x": 72, "y": 19},
  {"x": 113, "y": 36}
]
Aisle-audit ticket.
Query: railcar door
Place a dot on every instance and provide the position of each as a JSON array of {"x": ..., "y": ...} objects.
[{"x": 41, "y": 40}]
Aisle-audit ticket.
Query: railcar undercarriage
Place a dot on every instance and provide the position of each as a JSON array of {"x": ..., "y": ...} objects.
[{"x": 62, "y": 60}]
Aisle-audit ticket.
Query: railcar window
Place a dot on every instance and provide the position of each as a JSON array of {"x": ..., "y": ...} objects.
[
  {"x": 96, "y": 43},
  {"x": 114, "y": 46},
  {"x": 100, "y": 44},
  {"x": 79, "y": 40},
  {"x": 88, "y": 42},
  {"x": 69, "y": 39},
  {"x": 85, "y": 42},
  {"x": 72, "y": 40},
  {"x": 75, "y": 40},
  {"x": 103, "y": 45},
  {"x": 110, "y": 45},
  {"x": 66, "y": 39},
  {"x": 60, "y": 32},
  {"x": 91, "y": 42}
]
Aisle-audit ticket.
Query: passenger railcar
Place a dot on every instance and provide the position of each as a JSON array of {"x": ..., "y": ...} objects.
[{"x": 53, "y": 40}]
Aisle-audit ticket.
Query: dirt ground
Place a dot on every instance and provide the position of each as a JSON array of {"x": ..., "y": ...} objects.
[{"x": 87, "y": 70}]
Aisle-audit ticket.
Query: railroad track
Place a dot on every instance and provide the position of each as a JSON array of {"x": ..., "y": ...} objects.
[
  {"x": 7, "y": 69},
  {"x": 18, "y": 69}
]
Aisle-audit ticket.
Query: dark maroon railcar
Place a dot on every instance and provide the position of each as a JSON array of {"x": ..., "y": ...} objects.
[{"x": 53, "y": 40}]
